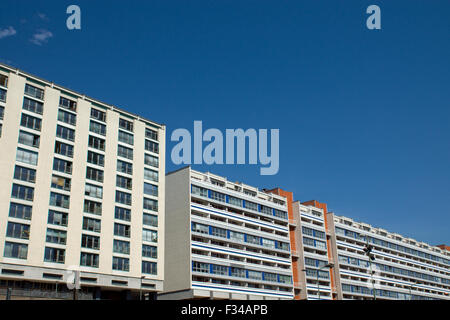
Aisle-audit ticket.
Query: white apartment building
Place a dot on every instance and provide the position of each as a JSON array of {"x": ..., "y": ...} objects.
[
  {"x": 82, "y": 188},
  {"x": 226, "y": 240}
]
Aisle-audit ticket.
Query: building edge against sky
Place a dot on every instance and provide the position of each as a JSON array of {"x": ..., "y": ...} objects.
[{"x": 82, "y": 189}]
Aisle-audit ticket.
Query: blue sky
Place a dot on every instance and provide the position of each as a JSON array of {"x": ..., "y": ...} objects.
[{"x": 363, "y": 115}]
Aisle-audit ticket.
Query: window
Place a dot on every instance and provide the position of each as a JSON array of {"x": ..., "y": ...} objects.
[
  {"x": 56, "y": 236},
  {"x": 31, "y": 122},
  {"x": 285, "y": 279},
  {"x": 33, "y": 105},
  {"x": 96, "y": 158},
  {"x": 238, "y": 272},
  {"x": 123, "y": 197},
  {"x": 97, "y": 128},
  {"x": 280, "y": 214},
  {"x": 235, "y": 201},
  {"x": 200, "y": 267},
  {"x": 59, "y": 200},
  {"x": 65, "y": 133},
  {"x": 57, "y": 218},
  {"x": 93, "y": 191},
  {"x": 253, "y": 239},
  {"x": 150, "y": 220},
  {"x": 255, "y": 275},
  {"x": 307, "y": 231},
  {"x": 124, "y": 167},
  {"x": 124, "y": 124},
  {"x": 151, "y": 134},
  {"x": 125, "y": 137},
  {"x": 237, "y": 236},
  {"x": 150, "y": 204},
  {"x": 25, "y": 174},
  {"x": 266, "y": 210},
  {"x": 272, "y": 277},
  {"x": 201, "y": 228},
  {"x": 60, "y": 183},
  {"x": 29, "y": 139},
  {"x": 20, "y": 211},
  {"x": 62, "y": 165},
  {"x": 122, "y": 230},
  {"x": 18, "y": 230},
  {"x": 121, "y": 264},
  {"x": 152, "y": 161},
  {"x": 123, "y": 182},
  {"x": 64, "y": 149},
  {"x": 54, "y": 255},
  {"x": 149, "y": 235},
  {"x": 221, "y": 270},
  {"x": 149, "y": 267},
  {"x": 34, "y": 92},
  {"x": 251, "y": 205},
  {"x": 2, "y": 112},
  {"x": 3, "y": 80},
  {"x": 150, "y": 189},
  {"x": 2, "y": 95},
  {"x": 125, "y": 152},
  {"x": 200, "y": 191},
  {"x": 22, "y": 192},
  {"x": 151, "y": 146},
  {"x": 15, "y": 250},
  {"x": 96, "y": 143},
  {"x": 122, "y": 214},
  {"x": 149, "y": 251},
  {"x": 94, "y": 174},
  {"x": 67, "y": 104},
  {"x": 90, "y": 224},
  {"x": 67, "y": 117},
  {"x": 283, "y": 246},
  {"x": 308, "y": 241},
  {"x": 217, "y": 196},
  {"x": 90, "y": 242},
  {"x": 92, "y": 207},
  {"x": 89, "y": 260},
  {"x": 151, "y": 175},
  {"x": 268, "y": 243},
  {"x": 121, "y": 247},
  {"x": 219, "y": 232},
  {"x": 98, "y": 115}
]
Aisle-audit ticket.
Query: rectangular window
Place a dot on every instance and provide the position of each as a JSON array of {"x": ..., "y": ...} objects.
[
  {"x": 255, "y": 275},
  {"x": 151, "y": 146},
  {"x": 98, "y": 115},
  {"x": 124, "y": 182},
  {"x": 59, "y": 200},
  {"x": 2, "y": 112},
  {"x": 60, "y": 183},
  {"x": 22, "y": 192},
  {"x": 121, "y": 264},
  {"x": 15, "y": 250},
  {"x": 67, "y": 104},
  {"x": 96, "y": 158},
  {"x": 124, "y": 167},
  {"x": 126, "y": 125},
  {"x": 268, "y": 243},
  {"x": 56, "y": 236},
  {"x": 29, "y": 139},
  {"x": 203, "y": 192},
  {"x": 122, "y": 214},
  {"x": 253, "y": 239},
  {"x": 90, "y": 242},
  {"x": 31, "y": 122},
  {"x": 33, "y": 106},
  {"x": 219, "y": 232},
  {"x": 272, "y": 277},
  {"x": 93, "y": 191},
  {"x": 151, "y": 175},
  {"x": 251, "y": 205},
  {"x": 89, "y": 260},
  {"x": 235, "y": 201},
  {"x": 238, "y": 272},
  {"x": 149, "y": 267},
  {"x": 96, "y": 143},
  {"x": 266, "y": 210},
  {"x": 150, "y": 220},
  {"x": 125, "y": 137},
  {"x": 125, "y": 152},
  {"x": 3, "y": 81},
  {"x": 283, "y": 246},
  {"x": 57, "y": 218},
  {"x": 62, "y": 166},
  {"x": 94, "y": 174},
  {"x": 65, "y": 133},
  {"x": 64, "y": 149},
  {"x": 121, "y": 247},
  {"x": 54, "y": 255},
  {"x": 149, "y": 251},
  {"x": 150, "y": 189},
  {"x": 149, "y": 235},
  {"x": 97, "y": 128},
  {"x": 122, "y": 230},
  {"x": 24, "y": 174},
  {"x": 123, "y": 197},
  {"x": 217, "y": 196},
  {"x": 151, "y": 161},
  {"x": 237, "y": 236},
  {"x": 200, "y": 267},
  {"x": 18, "y": 230},
  {"x": 90, "y": 224},
  {"x": 20, "y": 211},
  {"x": 34, "y": 92},
  {"x": 285, "y": 279},
  {"x": 67, "y": 117},
  {"x": 220, "y": 270},
  {"x": 2, "y": 95},
  {"x": 280, "y": 214},
  {"x": 151, "y": 134},
  {"x": 150, "y": 204},
  {"x": 92, "y": 207}
]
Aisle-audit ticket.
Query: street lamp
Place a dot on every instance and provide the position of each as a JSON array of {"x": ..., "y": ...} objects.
[{"x": 328, "y": 265}]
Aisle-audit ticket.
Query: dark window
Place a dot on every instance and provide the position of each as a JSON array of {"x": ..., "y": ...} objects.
[
  {"x": 33, "y": 106},
  {"x": 67, "y": 104},
  {"x": 54, "y": 255},
  {"x": 32, "y": 91},
  {"x": 126, "y": 125},
  {"x": 31, "y": 122},
  {"x": 25, "y": 174}
]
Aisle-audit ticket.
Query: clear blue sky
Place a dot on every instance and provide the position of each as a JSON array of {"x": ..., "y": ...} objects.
[{"x": 363, "y": 115}]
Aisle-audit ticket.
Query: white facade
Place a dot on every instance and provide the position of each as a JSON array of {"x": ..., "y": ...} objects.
[{"x": 82, "y": 189}]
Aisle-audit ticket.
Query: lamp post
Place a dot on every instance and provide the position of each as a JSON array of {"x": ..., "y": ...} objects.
[{"x": 328, "y": 265}]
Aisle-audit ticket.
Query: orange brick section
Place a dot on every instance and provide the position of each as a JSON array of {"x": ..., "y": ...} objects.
[{"x": 444, "y": 247}]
